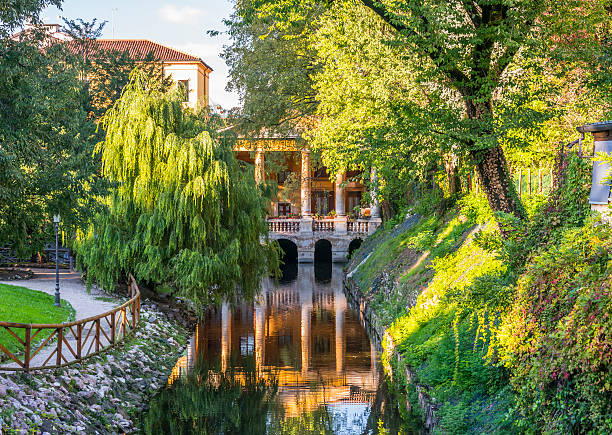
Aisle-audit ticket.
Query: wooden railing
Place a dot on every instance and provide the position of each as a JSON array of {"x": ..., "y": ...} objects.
[
  {"x": 323, "y": 226},
  {"x": 46, "y": 346},
  {"x": 284, "y": 225},
  {"x": 359, "y": 227}
]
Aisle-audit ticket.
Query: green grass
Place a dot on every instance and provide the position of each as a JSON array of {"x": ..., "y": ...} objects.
[{"x": 22, "y": 305}]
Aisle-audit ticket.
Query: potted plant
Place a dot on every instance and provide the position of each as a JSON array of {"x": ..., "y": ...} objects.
[{"x": 331, "y": 214}]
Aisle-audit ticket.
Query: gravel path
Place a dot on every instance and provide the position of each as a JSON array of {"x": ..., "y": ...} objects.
[{"x": 86, "y": 304}]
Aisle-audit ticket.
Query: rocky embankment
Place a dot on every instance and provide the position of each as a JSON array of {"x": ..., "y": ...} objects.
[{"x": 103, "y": 395}]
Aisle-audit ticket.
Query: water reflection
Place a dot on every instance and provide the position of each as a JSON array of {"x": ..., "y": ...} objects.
[{"x": 301, "y": 338}]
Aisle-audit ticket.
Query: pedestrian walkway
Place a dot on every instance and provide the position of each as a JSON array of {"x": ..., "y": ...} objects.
[{"x": 85, "y": 303}]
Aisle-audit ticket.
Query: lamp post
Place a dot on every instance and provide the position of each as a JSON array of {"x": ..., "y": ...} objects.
[{"x": 56, "y": 221}]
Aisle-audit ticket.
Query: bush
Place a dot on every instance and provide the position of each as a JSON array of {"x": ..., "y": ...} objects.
[{"x": 557, "y": 338}]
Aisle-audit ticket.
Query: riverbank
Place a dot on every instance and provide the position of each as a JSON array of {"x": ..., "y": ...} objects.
[
  {"x": 103, "y": 395},
  {"x": 482, "y": 334}
]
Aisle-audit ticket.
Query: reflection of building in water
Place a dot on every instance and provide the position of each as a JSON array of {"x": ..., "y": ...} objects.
[{"x": 303, "y": 334}]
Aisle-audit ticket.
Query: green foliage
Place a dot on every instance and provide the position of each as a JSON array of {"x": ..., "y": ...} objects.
[
  {"x": 556, "y": 338},
  {"x": 46, "y": 164},
  {"x": 184, "y": 212},
  {"x": 14, "y": 13},
  {"x": 271, "y": 69},
  {"x": 39, "y": 308}
]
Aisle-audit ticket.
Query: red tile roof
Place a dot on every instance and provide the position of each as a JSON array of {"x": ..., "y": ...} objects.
[{"x": 140, "y": 48}]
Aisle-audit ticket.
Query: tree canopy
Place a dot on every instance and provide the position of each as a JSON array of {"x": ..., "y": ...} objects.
[
  {"x": 184, "y": 213},
  {"x": 445, "y": 84}
]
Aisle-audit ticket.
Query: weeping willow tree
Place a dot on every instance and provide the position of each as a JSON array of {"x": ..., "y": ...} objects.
[{"x": 184, "y": 213}]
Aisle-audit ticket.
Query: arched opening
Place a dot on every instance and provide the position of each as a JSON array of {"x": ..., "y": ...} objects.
[
  {"x": 289, "y": 260},
  {"x": 323, "y": 261},
  {"x": 353, "y": 246},
  {"x": 323, "y": 251}
]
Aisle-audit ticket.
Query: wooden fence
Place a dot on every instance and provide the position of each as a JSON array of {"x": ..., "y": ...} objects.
[{"x": 46, "y": 346}]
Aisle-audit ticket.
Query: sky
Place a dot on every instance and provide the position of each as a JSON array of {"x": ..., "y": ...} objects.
[{"x": 181, "y": 25}]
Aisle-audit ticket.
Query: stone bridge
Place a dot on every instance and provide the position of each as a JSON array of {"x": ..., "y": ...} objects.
[{"x": 310, "y": 237}]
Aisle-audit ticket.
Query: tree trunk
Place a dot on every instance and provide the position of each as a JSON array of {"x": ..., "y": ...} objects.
[
  {"x": 451, "y": 165},
  {"x": 492, "y": 167},
  {"x": 492, "y": 170}
]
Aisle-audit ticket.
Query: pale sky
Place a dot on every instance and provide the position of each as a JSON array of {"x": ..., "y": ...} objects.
[{"x": 181, "y": 25}]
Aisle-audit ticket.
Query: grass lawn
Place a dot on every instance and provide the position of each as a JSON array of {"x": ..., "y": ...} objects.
[{"x": 22, "y": 305}]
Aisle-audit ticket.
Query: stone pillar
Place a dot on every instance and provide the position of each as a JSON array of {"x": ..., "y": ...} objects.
[
  {"x": 260, "y": 333},
  {"x": 259, "y": 166},
  {"x": 340, "y": 210},
  {"x": 305, "y": 176},
  {"x": 340, "y": 309},
  {"x": 375, "y": 206},
  {"x": 226, "y": 335}
]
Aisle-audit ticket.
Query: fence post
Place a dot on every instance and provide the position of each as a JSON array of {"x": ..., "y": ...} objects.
[
  {"x": 28, "y": 344},
  {"x": 79, "y": 340},
  {"x": 60, "y": 339},
  {"x": 520, "y": 183},
  {"x": 113, "y": 327},
  {"x": 97, "y": 335},
  {"x": 529, "y": 178},
  {"x": 123, "y": 319},
  {"x": 540, "y": 179},
  {"x": 551, "y": 179}
]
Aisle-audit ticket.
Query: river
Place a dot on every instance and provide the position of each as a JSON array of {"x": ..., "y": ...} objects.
[{"x": 295, "y": 361}]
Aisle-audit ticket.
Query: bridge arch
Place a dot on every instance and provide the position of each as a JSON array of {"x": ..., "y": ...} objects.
[
  {"x": 290, "y": 250},
  {"x": 353, "y": 246},
  {"x": 323, "y": 251}
]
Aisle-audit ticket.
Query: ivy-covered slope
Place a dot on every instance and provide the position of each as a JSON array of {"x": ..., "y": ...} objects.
[{"x": 491, "y": 328}]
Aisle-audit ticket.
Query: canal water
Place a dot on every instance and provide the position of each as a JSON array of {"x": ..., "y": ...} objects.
[{"x": 296, "y": 361}]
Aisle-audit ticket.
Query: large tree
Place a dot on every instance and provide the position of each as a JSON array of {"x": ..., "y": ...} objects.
[
  {"x": 184, "y": 213},
  {"x": 481, "y": 54},
  {"x": 46, "y": 143}
]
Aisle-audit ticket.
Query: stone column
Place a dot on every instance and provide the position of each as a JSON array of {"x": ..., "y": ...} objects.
[
  {"x": 259, "y": 166},
  {"x": 305, "y": 176},
  {"x": 226, "y": 335},
  {"x": 340, "y": 309},
  {"x": 375, "y": 206},
  {"x": 340, "y": 210}
]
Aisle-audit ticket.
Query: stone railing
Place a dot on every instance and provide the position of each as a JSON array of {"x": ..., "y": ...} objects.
[
  {"x": 358, "y": 227},
  {"x": 338, "y": 226},
  {"x": 284, "y": 225},
  {"x": 323, "y": 226}
]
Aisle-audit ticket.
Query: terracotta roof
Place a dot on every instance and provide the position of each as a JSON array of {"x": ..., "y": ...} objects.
[{"x": 139, "y": 48}]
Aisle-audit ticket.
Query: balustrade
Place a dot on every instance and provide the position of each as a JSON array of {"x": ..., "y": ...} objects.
[
  {"x": 323, "y": 226},
  {"x": 284, "y": 225},
  {"x": 358, "y": 227}
]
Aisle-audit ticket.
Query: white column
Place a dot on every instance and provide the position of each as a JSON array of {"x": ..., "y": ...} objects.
[
  {"x": 340, "y": 309},
  {"x": 305, "y": 176},
  {"x": 259, "y": 166},
  {"x": 340, "y": 210},
  {"x": 226, "y": 335},
  {"x": 375, "y": 206}
]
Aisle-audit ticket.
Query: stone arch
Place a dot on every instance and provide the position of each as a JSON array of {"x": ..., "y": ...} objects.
[
  {"x": 323, "y": 251},
  {"x": 353, "y": 246},
  {"x": 290, "y": 250}
]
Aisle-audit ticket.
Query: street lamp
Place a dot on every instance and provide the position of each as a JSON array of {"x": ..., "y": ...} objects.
[{"x": 56, "y": 221}]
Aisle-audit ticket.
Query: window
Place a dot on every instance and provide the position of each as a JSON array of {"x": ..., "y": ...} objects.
[
  {"x": 184, "y": 84},
  {"x": 353, "y": 199},
  {"x": 284, "y": 209},
  {"x": 282, "y": 177}
]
